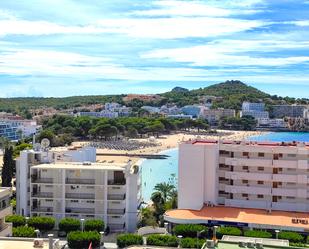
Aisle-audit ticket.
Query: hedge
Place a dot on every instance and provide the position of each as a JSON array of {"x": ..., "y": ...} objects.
[
  {"x": 42, "y": 223},
  {"x": 228, "y": 231},
  {"x": 17, "y": 220},
  {"x": 69, "y": 224},
  {"x": 162, "y": 240},
  {"x": 94, "y": 225},
  {"x": 291, "y": 236},
  {"x": 24, "y": 231},
  {"x": 257, "y": 234},
  {"x": 191, "y": 243},
  {"x": 127, "y": 239},
  {"x": 82, "y": 240},
  {"x": 189, "y": 230}
]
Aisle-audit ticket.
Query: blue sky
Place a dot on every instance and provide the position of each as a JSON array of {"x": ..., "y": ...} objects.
[{"x": 81, "y": 47}]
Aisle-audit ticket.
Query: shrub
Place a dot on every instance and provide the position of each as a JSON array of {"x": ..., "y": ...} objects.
[
  {"x": 94, "y": 225},
  {"x": 124, "y": 240},
  {"x": 162, "y": 240},
  {"x": 42, "y": 223},
  {"x": 189, "y": 230},
  {"x": 81, "y": 240},
  {"x": 69, "y": 224},
  {"x": 24, "y": 231},
  {"x": 191, "y": 243},
  {"x": 17, "y": 220},
  {"x": 291, "y": 236},
  {"x": 257, "y": 234},
  {"x": 228, "y": 231}
]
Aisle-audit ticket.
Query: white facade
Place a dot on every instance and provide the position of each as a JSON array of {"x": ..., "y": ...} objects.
[
  {"x": 272, "y": 123},
  {"x": 255, "y": 114},
  {"x": 214, "y": 115},
  {"x": 5, "y": 210},
  {"x": 71, "y": 184},
  {"x": 271, "y": 176},
  {"x": 247, "y": 106}
]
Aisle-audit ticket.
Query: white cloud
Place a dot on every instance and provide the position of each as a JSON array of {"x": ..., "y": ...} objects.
[
  {"x": 157, "y": 28},
  {"x": 302, "y": 23},
  {"x": 231, "y": 53},
  {"x": 195, "y": 8}
]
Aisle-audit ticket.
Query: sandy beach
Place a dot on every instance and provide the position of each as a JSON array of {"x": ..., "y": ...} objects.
[{"x": 168, "y": 142}]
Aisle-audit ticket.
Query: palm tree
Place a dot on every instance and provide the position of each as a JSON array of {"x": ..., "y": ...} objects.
[{"x": 165, "y": 189}]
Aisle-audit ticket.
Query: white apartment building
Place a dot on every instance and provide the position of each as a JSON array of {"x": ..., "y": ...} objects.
[
  {"x": 214, "y": 115},
  {"x": 245, "y": 176},
  {"x": 270, "y": 176},
  {"x": 71, "y": 184},
  {"x": 5, "y": 210}
]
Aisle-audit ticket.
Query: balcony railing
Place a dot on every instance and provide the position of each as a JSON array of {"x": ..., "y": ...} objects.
[
  {"x": 42, "y": 209},
  {"x": 116, "y": 211},
  {"x": 79, "y": 196},
  {"x": 42, "y": 180},
  {"x": 116, "y": 197},
  {"x": 80, "y": 210},
  {"x": 42, "y": 195},
  {"x": 80, "y": 181},
  {"x": 117, "y": 182}
]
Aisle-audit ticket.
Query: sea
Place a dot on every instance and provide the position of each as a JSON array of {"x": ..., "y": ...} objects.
[{"x": 154, "y": 171}]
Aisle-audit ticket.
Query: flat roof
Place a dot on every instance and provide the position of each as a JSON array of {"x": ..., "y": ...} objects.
[
  {"x": 81, "y": 166},
  {"x": 14, "y": 244},
  {"x": 259, "y": 143},
  {"x": 298, "y": 220}
]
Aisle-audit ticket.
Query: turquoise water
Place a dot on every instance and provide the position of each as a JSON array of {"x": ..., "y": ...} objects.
[
  {"x": 166, "y": 170},
  {"x": 283, "y": 137}
]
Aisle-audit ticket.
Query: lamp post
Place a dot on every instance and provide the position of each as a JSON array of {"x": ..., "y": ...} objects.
[
  {"x": 166, "y": 227},
  {"x": 179, "y": 240},
  {"x": 27, "y": 218},
  {"x": 101, "y": 240},
  {"x": 215, "y": 233},
  {"x": 198, "y": 234},
  {"x": 82, "y": 223},
  {"x": 277, "y": 233}
]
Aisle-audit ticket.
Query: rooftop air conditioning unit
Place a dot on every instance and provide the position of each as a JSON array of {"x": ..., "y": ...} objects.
[
  {"x": 86, "y": 163},
  {"x": 38, "y": 243},
  {"x": 210, "y": 244}
]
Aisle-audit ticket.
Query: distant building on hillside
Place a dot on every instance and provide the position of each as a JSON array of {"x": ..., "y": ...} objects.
[
  {"x": 214, "y": 115},
  {"x": 255, "y": 110},
  {"x": 9, "y": 130},
  {"x": 151, "y": 109},
  {"x": 101, "y": 114},
  {"x": 272, "y": 123},
  {"x": 292, "y": 111},
  {"x": 193, "y": 110}
]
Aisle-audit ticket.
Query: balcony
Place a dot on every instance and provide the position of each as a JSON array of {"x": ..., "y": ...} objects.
[
  {"x": 42, "y": 180},
  {"x": 42, "y": 195},
  {"x": 254, "y": 162},
  {"x": 80, "y": 210},
  {"x": 6, "y": 211},
  {"x": 116, "y": 211},
  {"x": 80, "y": 181},
  {"x": 247, "y": 190},
  {"x": 79, "y": 196},
  {"x": 285, "y": 164},
  {"x": 116, "y": 182},
  {"x": 42, "y": 209},
  {"x": 248, "y": 176},
  {"x": 247, "y": 203},
  {"x": 116, "y": 197}
]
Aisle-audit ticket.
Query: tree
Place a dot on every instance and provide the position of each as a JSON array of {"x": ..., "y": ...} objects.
[
  {"x": 47, "y": 134},
  {"x": 147, "y": 218},
  {"x": 165, "y": 189},
  {"x": 158, "y": 203},
  {"x": 8, "y": 167}
]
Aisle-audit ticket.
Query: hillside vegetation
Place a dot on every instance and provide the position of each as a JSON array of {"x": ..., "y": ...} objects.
[{"x": 229, "y": 94}]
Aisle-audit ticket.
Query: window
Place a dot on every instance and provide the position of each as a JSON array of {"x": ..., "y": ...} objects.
[
  {"x": 260, "y": 196},
  {"x": 76, "y": 201},
  {"x": 90, "y": 201},
  {"x": 245, "y": 154},
  {"x": 291, "y": 155},
  {"x": 90, "y": 187},
  {"x": 224, "y": 152},
  {"x": 244, "y": 195},
  {"x": 222, "y": 192},
  {"x": 115, "y": 187},
  {"x": 221, "y": 178},
  {"x": 49, "y": 200},
  {"x": 245, "y": 181},
  {"x": 261, "y": 154},
  {"x": 260, "y": 182},
  {"x": 260, "y": 168},
  {"x": 245, "y": 167},
  {"x": 290, "y": 197},
  {"x": 44, "y": 170}
]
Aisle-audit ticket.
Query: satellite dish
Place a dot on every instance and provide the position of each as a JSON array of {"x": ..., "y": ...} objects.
[{"x": 45, "y": 143}]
